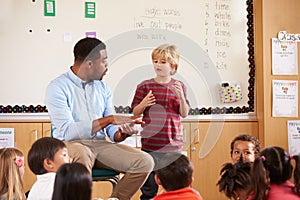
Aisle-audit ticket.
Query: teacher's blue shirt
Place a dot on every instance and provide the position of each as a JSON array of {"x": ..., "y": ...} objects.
[{"x": 74, "y": 104}]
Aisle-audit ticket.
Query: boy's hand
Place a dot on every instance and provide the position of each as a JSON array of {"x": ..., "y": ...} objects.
[
  {"x": 148, "y": 100},
  {"x": 178, "y": 90}
]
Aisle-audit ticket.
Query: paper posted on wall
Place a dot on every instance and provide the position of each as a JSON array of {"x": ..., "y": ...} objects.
[
  {"x": 7, "y": 137},
  {"x": 294, "y": 137},
  {"x": 285, "y": 98},
  {"x": 284, "y": 57}
]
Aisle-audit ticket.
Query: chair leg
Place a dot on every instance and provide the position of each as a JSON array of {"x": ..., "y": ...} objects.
[{"x": 114, "y": 181}]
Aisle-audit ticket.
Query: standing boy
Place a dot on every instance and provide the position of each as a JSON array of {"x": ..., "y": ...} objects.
[{"x": 162, "y": 101}]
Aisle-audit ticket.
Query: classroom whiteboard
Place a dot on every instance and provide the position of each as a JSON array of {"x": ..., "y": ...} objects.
[{"x": 214, "y": 38}]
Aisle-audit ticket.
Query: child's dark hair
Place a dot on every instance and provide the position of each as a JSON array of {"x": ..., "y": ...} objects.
[
  {"x": 247, "y": 138},
  {"x": 72, "y": 181},
  {"x": 175, "y": 171},
  {"x": 273, "y": 166},
  {"x": 235, "y": 177},
  {"x": 41, "y": 149}
]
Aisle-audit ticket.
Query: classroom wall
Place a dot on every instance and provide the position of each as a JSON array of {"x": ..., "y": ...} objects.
[{"x": 272, "y": 16}]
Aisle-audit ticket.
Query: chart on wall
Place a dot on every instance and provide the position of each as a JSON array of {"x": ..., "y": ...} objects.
[{"x": 214, "y": 39}]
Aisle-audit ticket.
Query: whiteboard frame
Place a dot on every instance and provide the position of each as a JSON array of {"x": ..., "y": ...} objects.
[{"x": 193, "y": 111}]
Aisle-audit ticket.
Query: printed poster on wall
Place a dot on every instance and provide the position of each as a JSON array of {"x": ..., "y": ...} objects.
[
  {"x": 284, "y": 57},
  {"x": 7, "y": 137},
  {"x": 285, "y": 98},
  {"x": 294, "y": 137}
]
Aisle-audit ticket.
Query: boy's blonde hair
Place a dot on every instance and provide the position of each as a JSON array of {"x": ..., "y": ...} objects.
[
  {"x": 10, "y": 177},
  {"x": 169, "y": 52}
]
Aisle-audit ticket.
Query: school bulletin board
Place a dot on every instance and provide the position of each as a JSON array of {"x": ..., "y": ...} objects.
[{"x": 214, "y": 38}]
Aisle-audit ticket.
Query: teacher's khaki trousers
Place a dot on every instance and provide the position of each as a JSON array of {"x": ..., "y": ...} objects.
[{"x": 135, "y": 164}]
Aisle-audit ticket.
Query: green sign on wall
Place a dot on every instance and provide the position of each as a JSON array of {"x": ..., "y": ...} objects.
[
  {"x": 90, "y": 9},
  {"x": 49, "y": 7}
]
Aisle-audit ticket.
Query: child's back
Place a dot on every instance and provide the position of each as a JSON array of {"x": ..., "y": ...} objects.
[
  {"x": 73, "y": 182},
  {"x": 175, "y": 175}
]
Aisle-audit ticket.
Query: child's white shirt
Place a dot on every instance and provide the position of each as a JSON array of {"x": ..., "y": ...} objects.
[{"x": 42, "y": 189}]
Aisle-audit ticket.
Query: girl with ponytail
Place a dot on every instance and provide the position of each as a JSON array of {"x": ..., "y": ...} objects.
[{"x": 270, "y": 175}]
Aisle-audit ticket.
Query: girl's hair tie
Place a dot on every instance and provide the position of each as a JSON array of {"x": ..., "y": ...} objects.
[
  {"x": 291, "y": 157},
  {"x": 19, "y": 161},
  {"x": 263, "y": 158}
]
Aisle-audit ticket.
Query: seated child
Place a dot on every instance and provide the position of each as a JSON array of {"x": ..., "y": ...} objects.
[
  {"x": 271, "y": 175},
  {"x": 73, "y": 181},
  {"x": 175, "y": 174},
  {"x": 11, "y": 174},
  {"x": 235, "y": 180},
  {"x": 44, "y": 159},
  {"x": 245, "y": 146}
]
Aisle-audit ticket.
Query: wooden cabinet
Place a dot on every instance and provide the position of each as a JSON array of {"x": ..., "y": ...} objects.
[
  {"x": 26, "y": 134},
  {"x": 47, "y": 129},
  {"x": 210, "y": 149},
  {"x": 186, "y": 134}
]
